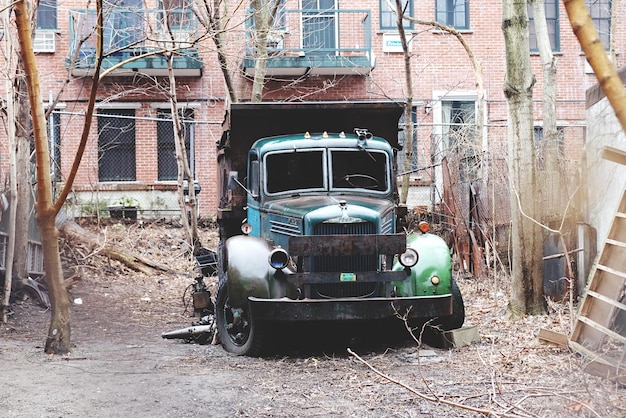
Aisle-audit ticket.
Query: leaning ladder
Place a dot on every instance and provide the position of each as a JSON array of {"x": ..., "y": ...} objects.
[{"x": 599, "y": 333}]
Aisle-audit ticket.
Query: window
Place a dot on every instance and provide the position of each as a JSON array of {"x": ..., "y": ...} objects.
[
  {"x": 179, "y": 13},
  {"x": 411, "y": 155},
  {"x": 552, "y": 20},
  {"x": 167, "y": 166},
  {"x": 388, "y": 17},
  {"x": 47, "y": 14},
  {"x": 294, "y": 171},
  {"x": 319, "y": 27},
  {"x": 46, "y": 24},
  {"x": 54, "y": 141},
  {"x": 453, "y": 13},
  {"x": 116, "y": 145},
  {"x": 600, "y": 11},
  {"x": 123, "y": 25},
  {"x": 275, "y": 37},
  {"x": 538, "y": 138},
  {"x": 53, "y": 130},
  {"x": 359, "y": 169},
  {"x": 458, "y": 129},
  {"x": 458, "y": 123}
]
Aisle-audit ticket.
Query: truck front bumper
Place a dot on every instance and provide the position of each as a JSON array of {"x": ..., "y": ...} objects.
[{"x": 285, "y": 309}]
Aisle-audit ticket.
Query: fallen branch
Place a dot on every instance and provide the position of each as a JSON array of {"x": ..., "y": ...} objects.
[
  {"x": 72, "y": 231},
  {"x": 430, "y": 398}
]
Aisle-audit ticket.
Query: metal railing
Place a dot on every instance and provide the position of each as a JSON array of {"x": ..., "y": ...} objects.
[
  {"x": 132, "y": 31},
  {"x": 330, "y": 32}
]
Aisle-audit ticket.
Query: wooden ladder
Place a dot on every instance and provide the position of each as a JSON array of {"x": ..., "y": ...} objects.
[{"x": 599, "y": 333}]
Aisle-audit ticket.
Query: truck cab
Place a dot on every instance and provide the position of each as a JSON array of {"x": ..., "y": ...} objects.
[{"x": 311, "y": 228}]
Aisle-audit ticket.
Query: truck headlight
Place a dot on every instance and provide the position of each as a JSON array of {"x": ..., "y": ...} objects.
[
  {"x": 278, "y": 258},
  {"x": 408, "y": 258}
]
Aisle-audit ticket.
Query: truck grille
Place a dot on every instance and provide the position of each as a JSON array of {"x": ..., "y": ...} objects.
[{"x": 345, "y": 264}]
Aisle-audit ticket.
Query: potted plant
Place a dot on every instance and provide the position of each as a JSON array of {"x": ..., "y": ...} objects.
[{"x": 125, "y": 208}]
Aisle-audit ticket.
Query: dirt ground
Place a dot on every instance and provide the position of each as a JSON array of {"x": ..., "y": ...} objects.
[{"x": 121, "y": 367}]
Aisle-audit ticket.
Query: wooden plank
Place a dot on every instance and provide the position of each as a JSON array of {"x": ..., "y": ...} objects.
[
  {"x": 602, "y": 329},
  {"x": 602, "y": 303},
  {"x": 612, "y": 271},
  {"x": 600, "y": 366},
  {"x": 606, "y": 299},
  {"x": 614, "y": 154},
  {"x": 616, "y": 243},
  {"x": 553, "y": 337}
]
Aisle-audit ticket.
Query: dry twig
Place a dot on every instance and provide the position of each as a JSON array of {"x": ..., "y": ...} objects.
[{"x": 436, "y": 399}]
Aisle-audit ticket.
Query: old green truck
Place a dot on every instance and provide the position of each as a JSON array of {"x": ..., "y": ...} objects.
[{"x": 311, "y": 228}]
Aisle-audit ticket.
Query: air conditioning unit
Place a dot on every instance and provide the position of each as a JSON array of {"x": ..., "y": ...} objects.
[
  {"x": 45, "y": 41},
  {"x": 275, "y": 42}
]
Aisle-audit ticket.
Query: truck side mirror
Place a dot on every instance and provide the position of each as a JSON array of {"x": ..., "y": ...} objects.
[
  {"x": 254, "y": 179},
  {"x": 233, "y": 180}
]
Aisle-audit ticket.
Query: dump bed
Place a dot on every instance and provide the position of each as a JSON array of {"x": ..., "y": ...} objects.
[{"x": 246, "y": 122}]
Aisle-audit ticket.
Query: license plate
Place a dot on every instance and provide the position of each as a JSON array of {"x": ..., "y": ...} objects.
[{"x": 347, "y": 277}]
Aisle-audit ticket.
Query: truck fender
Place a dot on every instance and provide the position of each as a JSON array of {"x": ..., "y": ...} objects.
[
  {"x": 434, "y": 260},
  {"x": 247, "y": 268}
]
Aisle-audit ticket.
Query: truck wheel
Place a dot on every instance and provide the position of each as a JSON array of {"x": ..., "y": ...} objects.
[
  {"x": 457, "y": 318},
  {"x": 237, "y": 332}
]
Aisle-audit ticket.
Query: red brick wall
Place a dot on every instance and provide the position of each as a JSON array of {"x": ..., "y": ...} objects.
[{"x": 439, "y": 63}]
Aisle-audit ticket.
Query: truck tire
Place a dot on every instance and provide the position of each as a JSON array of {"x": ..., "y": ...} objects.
[
  {"x": 237, "y": 331},
  {"x": 457, "y": 318}
]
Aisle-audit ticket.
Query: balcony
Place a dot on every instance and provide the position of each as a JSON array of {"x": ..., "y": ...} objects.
[
  {"x": 315, "y": 42},
  {"x": 134, "y": 42}
]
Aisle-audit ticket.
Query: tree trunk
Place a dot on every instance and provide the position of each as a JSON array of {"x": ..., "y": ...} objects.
[
  {"x": 58, "y": 341},
  {"x": 408, "y": 106},
  {"x": 549, "y": 151},
  {"x": 190, "y": 223},
  {"x": 526, "y": 279},
  {"x": 22, "y": 180},
  {"x": 264, "y": 14},
  {"x": 604, "y": 69}
]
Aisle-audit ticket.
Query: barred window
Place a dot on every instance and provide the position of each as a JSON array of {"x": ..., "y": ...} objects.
[
  {"x": 116, "y": 145},
  {"x": 168, "y": 168},
  {"x": 402, "y": 139}
]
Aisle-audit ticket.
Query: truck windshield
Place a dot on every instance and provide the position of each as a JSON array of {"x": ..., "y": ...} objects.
[
  {"x": 294, "y": 171},
  {"x": 359, "y": 168}
]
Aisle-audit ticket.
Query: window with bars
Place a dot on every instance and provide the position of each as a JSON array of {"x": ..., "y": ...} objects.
[
  {"x": 116, "y": 145},
  {"x": 167, "y": 165},
  {"x": 405, "y": 153}
]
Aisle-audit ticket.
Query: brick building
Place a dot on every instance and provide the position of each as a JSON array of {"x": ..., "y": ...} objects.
[{"x": 319, "y": 50}]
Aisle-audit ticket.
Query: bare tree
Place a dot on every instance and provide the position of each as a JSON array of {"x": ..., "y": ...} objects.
[
  {"x": 478, "y": 135},
  {"x": 549, "y": 147},
  {"x": 215, "y": 16},
  {"x": 264, "y": 14},
  {"x": 58, "y": 340},
  {"x": 526, "y": 281},
  {"x": 604, "y": 69}
]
